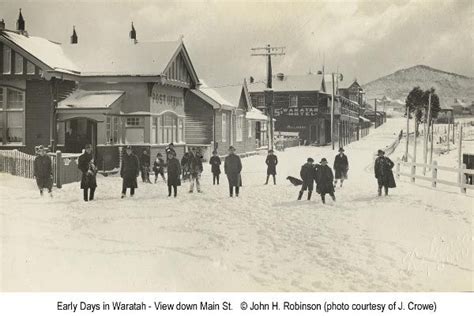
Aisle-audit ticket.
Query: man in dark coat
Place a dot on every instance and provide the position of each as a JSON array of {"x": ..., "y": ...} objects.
[
  {"x": 383, "y": 172},
  {"x": 174, "y": 173},
  {"x": 232, "y": 168},
  {"x": 307, "y": 175},
  {"x": 271, "y": 161},
  {"x": 341, "y": 166},
  {"x": 195, "y": 169},
  {"x": 88, "y": 181},
  {"x": 129, "y": 172},
  {"x": 324, "y": 178},
  {"x": 43, "y": 171},
  {"x": 145, "y": 166},
  {"x": 215, "y": 163}
]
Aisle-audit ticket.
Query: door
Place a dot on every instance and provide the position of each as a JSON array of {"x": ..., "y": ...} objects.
[{"x": 80, "y": 132}]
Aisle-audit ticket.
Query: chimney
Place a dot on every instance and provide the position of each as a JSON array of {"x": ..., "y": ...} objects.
[
  {"x": 133, "y": 34},
  {"x": 20, "y": 24},
  {"x": 74, "y": 35},
  {"x": 251, "y": 79},
  {"x": 2, "y": 25},
  {"x": 280, "y": 76}
]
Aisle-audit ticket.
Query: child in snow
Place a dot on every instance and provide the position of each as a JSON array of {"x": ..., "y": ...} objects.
[
  {"x": 174, "y": 172},
  {"x": 341, "y": 166},
  {"x": 145, "y": 166},
  {"x": 185, "y": 166},
  {"x": 159, "y": 167},
  {"x": 307, "y": 175},
  {"x": 324, "y": 180},
  {"x": 43, "y": 171},
  {"x": 195, "y": 169},
  {"x": 271, "y": 161},
  {"x": 215, "y": 163},
  {"x": 383, "y": 172}
]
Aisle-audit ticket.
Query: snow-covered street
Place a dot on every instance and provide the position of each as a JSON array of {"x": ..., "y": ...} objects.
[{"x": 416, "y": 239}]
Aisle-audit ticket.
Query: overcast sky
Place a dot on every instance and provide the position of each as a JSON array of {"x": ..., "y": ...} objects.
[{"x": 363, "y": 39}]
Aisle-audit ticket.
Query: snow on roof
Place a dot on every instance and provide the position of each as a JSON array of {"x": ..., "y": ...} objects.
[
  {"x": 52, "y": 54},
  {"x": 364, "y": 119},
  {"x": 308, "y": 82},
  {"x": 215, "y": 95},
  {"x": 255, "y": 114},
  {"x": 90, "y": 99},
  {"x": 123, "y": 57}
]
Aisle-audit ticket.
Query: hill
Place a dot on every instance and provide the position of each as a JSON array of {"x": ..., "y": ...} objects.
[{"x": 398, "y": 84}]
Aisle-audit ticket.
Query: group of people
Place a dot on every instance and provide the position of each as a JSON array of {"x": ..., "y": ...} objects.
[{"x": 191, "y": 167}]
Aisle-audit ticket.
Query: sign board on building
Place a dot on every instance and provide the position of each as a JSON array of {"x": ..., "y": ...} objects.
[{"x": 303, "y": 111}]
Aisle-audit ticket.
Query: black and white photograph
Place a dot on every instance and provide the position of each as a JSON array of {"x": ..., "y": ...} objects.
[{"x": 236, "y": 146}]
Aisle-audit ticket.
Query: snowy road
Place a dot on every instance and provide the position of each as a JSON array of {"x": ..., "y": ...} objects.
[{"x": 416, "y": 239}]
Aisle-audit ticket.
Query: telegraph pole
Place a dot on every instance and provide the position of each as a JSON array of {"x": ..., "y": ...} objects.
[{"x": 268, "y": 52}]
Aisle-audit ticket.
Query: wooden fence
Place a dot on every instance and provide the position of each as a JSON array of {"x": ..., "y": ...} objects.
[
  {"x": 20, "y": 164},
  {"x": 464, "y": 175}
]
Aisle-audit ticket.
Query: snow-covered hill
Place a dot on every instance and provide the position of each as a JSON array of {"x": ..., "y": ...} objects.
[
  {"x": 416, "y": 239},
  {"x": 398, "y": 84}
]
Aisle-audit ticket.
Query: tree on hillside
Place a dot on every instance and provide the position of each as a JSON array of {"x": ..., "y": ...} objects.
[{"x": 435, "y": 105}]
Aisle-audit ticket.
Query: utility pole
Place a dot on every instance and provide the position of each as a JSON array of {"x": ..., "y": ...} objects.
[
  {"x": 332, "y": 111},
  {"x": 375, "y": 113},
  {"x": 428, "y": 123},
  {"x": 408, "y": 132},
  {"x": 269, "y": 51}
]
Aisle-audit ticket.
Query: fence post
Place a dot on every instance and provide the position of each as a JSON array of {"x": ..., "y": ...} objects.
[
  {"x": 398, "y": 168},
  {"x": 413, "y": 172},
  {"x": 434, "y": 173},
  {"x": 59, "y": 162},
  {"x": 462, "y": 178}
]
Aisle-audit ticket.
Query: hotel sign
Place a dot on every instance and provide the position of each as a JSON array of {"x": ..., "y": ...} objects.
[{"x": 304, "y": 111}]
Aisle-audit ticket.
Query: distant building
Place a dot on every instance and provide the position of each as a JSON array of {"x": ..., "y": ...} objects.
[
  {"x": 461, "y": 107},
  {"x": 302, "y": 104}
]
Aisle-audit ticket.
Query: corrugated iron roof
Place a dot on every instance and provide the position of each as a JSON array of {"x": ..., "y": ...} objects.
[
  {"x": 308, "y": 82},
  {"x": 83, "y": 99}
]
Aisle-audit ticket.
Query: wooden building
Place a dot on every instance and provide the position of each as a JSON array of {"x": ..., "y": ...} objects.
[{"x": 302, "y": 103}]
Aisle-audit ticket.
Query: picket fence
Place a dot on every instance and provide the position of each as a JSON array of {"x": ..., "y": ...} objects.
[
  {"x": 464, "y": 175},
  {"x": 20, "y": 164}
]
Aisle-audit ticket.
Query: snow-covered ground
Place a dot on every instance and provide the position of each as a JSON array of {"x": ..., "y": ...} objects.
[{"x": 416, "y": 239}]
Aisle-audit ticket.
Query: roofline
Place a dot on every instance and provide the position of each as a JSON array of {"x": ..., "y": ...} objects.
[{"x": 180, "y": 48}]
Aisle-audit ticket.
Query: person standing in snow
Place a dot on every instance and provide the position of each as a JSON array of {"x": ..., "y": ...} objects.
[
  {"x": 89, "y": 171},
  {"x": 159, "y": 167},
  {"x": 185, "y": 166},
  {"x": 145, "y": 166},
  {"x": 129, "y": 172},
  {"x": 271, "y": 161},
  {"x": 324, "y": 179},
  {"x": 341, "y": 166},
  {"x": 43, "y": 171},
  {"x": 195, "y": 169},
  {"x": 215, "y": 163},
  {"x": 307, "y": 175},
  {"x": 232, "y": 168},
  {"x": 383, "y": 172},
  {"x": 174, "y": 172},
  {"x": 170, "y": 149}
]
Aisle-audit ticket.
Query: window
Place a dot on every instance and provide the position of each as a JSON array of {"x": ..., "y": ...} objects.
[
  {"x": 169, "y": 128},
  {"x": 180, "y": 130},
  {"x": 239, "y": 128},
  {"x": 7, "y": 59},
  {"x": 159, "y": 125},
  {"x": 112, "y": 129},
  {"x": 18, "y": 64},
  {"x": 224, "y": 127},
  {"x": 30, "y": 68},
  {"x": 134, "y": 122},
  {"x": 249, "y": 128},
  {"x": 293, "y": 101},
  {"x": 154, "y": 122},
  {"x": 12, "y": 104}
]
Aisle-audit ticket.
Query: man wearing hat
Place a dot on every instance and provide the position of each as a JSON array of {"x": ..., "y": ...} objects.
[
  {"x": 129, "y": 172},
  {"x": 43, "y": 171},
  {"x": 88, "y": 181},
  {"x": 383, "y": 172},
  {"x": 341, "y": 166},
  {"x": 307, "y": 175},
  {"x": 271, "y": 161},
  {"x": 232, "y": 168},
  {"x": 324, "y": 178}
]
